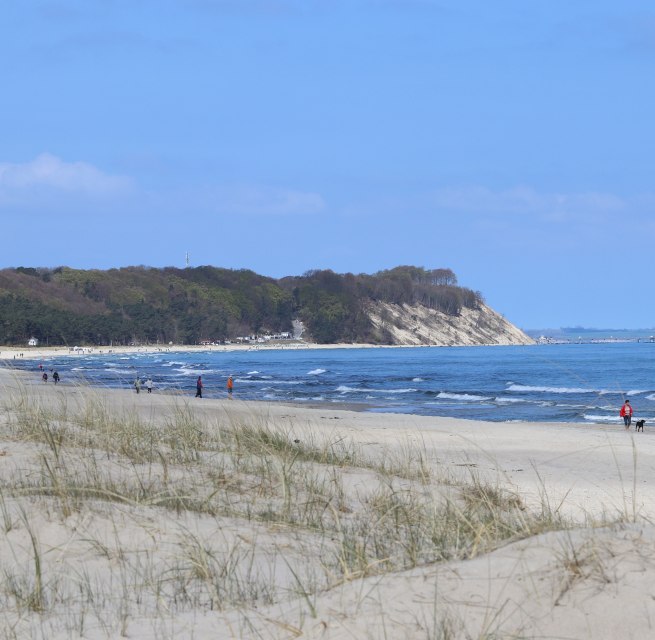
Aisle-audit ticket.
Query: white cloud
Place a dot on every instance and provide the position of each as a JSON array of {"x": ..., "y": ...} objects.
[
  {"x": 525, "y": 200},
  {"x": 49, "y": 172}
]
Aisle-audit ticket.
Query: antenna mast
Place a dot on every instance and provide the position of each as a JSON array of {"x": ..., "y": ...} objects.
[{"x": 187, "y": 259}]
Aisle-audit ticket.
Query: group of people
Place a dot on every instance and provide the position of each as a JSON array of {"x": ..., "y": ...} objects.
[
  {"x": 149, "y": 385},
  {"x": 44, "y": 375},
  {"x": 137, "y": 384},
  {"x": 229, "y": 386}
]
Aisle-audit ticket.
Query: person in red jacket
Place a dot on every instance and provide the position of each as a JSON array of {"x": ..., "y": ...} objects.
[{"x": 626, "y": 414}]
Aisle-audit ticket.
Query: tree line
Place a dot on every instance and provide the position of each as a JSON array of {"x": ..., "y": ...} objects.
[{"x": 65, "y": 306}]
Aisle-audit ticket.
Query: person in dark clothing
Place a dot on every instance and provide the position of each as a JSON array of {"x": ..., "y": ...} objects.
[
  {"x": 199, "y": 387},
  {"x": 44, "y": 377},
  {"x": 55, "y": 377}
]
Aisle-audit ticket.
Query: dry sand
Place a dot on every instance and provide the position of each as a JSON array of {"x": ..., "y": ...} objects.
[{"x": 593, "y": 580}]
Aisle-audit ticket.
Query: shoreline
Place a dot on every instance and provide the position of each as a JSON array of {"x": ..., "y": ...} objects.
[
  {"x": 546, "y": 443},
  {"x": 351, "y": 407},
  {"x": 35, "y": 353}
]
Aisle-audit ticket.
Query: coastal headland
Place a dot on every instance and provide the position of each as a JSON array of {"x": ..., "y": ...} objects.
[{"x": 155, "y": 516}]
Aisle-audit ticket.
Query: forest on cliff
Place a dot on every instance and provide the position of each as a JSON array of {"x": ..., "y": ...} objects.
[{"x": 145, "y": 305}]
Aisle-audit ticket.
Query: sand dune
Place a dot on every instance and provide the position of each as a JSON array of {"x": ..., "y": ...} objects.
[{"x": 154, "y": 516}]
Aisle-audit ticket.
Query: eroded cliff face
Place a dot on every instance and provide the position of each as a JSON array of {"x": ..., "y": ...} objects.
[{"x": 417, "y": 325}]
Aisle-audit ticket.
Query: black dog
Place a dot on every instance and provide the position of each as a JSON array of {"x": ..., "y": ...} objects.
[{"x": 639, "y": 425}]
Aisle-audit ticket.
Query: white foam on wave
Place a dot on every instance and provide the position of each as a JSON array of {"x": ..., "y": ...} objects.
[
  {"x": 316, "y": 372},
  {"x": 344, "y": 389},
  {"x": 417, "y": 380},
  {"x": 618, "y": 392},
  {"x": 525, "y": 387},
  {"x": 195, "y": 372},
  {"x": 616, "y": 419},
  {"x": 453, "y": 406},
  {"x": 253, "y": 373},
  {"x": 511, "y": 400},
  {"x": 599, "y": 418},
  {"x": 462, "y": 396}
]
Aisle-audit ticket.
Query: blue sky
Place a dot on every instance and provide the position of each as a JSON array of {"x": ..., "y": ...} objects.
[{"x": 511, "y": 141}]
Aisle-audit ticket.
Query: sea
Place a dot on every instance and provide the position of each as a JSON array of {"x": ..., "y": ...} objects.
[{"x": 572, "y": 382}]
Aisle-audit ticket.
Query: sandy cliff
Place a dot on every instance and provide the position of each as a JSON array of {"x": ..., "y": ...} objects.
[{"x": 416, "y": 325}]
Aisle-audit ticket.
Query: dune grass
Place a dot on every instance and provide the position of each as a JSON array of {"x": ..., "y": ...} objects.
[{"x": 112, "y": 517}]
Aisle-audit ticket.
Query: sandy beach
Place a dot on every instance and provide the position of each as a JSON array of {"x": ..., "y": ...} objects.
[
  {"x": 152, "y": 516},
  {"x": 35, "y": 353}
]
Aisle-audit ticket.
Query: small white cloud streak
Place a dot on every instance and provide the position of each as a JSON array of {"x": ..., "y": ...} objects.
[
  {"x": 525, "y": 200},
  {"x": 50, "y": 172}
]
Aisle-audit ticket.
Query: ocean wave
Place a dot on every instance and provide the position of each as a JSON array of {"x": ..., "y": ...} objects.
[
  {"x": 615, "y": 418},
  {"x": 344, "y": 389},
  {"x": 253, "y": 373},
  {"x": 196, "y": 372},
  {"x": 462, "y": 396},
  {"x": 316, "y": 372},
  {"x": 599, "y": 418},
  {"x": 456, "y": 405},
  {"x": 618, "y": 392},
  {"x": 525, "y": 387},
  {"x": 418, "y": 380}
]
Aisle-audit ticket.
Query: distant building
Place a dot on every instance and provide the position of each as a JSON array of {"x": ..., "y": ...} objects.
[{"x": 32, "y": 342}]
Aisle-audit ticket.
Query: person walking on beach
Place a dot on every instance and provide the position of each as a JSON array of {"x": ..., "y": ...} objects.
[
  {"x": 44, "y": 377},
  {"x": 137, "y": 384},
  {"x": 626, "y": 414},
  {"x": 149, "y": 385},
  {"x": 55, "y": 377},
  {"x": 199, "y": 387},
  {"x": 230, "y": 386}
]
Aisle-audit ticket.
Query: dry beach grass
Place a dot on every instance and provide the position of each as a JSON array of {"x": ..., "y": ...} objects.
[{"x": 154, "y": 516}]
